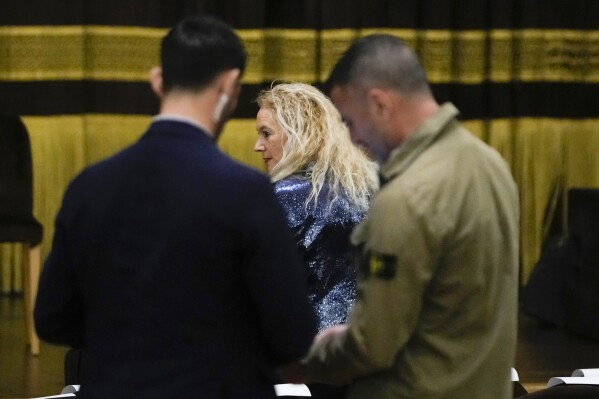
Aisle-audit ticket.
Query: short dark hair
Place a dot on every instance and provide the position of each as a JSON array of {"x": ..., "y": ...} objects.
[
  {"x": 196, "y": 50},
  {"x": 379, "y": 60}
]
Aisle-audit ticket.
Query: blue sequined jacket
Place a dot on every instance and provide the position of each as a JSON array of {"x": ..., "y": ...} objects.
[{"x": 322, "y": 234}]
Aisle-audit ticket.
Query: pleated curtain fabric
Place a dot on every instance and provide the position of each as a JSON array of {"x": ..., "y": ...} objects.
[{"x": 524, "y": 73}]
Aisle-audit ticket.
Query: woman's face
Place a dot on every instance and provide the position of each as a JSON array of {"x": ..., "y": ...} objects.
[{"x": 271, "y": 138}]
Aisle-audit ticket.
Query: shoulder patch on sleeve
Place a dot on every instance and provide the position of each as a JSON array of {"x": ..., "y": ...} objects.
[
  {"x": 379, "y": 265},
  {"x": 382, "y": 265}
]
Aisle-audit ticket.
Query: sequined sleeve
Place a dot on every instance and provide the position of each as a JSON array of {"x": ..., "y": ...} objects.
[{"x": 322, "y": 234}]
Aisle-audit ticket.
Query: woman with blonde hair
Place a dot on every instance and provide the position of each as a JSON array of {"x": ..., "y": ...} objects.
[{"x": 324, "y": 183}]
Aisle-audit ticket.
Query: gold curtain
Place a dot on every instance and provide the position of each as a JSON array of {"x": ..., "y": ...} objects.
[{"x": 548, "y": 155}]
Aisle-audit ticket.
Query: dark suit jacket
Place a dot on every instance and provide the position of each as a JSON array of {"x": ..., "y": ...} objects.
[{"x": 173, "y": 268}]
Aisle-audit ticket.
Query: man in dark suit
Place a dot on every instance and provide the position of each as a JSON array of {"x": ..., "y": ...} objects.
[{"x": 172, "y": 266}]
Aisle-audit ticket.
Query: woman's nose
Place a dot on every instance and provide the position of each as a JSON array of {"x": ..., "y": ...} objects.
[{"x": 259, "y": 147}]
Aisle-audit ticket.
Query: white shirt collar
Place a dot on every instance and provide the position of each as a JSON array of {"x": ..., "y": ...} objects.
[{"x": 179, "y": 118}]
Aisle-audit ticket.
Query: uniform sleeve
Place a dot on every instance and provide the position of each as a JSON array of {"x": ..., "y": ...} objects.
[
  {"x": 400, "y": 246},
  {"x": 58, "y": 312},
  {"x": 276, "y": 279}
]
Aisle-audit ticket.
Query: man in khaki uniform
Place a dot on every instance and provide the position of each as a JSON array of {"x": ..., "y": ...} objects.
[{"x": 436, "y": 311}]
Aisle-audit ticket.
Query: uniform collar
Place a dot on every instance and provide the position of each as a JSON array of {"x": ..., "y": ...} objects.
[{"x": 403, "y": 156}]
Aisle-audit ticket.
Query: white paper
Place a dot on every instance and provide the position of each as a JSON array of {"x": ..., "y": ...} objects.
[
  {"x": 515, "y": 376},
  {"x": 585, "y": 373},
  {"x": 572, "y": 380},
  {"x": 70, "y": 389},
  {"x": 292, "y": 390}
]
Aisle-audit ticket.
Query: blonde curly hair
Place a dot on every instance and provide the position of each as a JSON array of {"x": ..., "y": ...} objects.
[{"x": 318, "y": 140}]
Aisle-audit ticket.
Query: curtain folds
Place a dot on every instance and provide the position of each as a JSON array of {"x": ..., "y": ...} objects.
[{"x": 524, "y": 73}]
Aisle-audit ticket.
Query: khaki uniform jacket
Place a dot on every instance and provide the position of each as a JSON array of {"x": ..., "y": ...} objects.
[{"x": 436, "y": 313}]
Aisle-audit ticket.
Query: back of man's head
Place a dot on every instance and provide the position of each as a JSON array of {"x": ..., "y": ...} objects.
[
  {"x": 196, "y": 50},
  {"x": 380, "y": 60}
]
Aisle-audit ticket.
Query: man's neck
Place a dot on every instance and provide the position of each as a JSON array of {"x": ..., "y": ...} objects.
[
  {"x": 413, "y": 114},
  {"x": 196, "y": 108}
]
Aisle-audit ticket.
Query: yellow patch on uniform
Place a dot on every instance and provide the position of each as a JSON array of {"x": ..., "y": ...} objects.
[
  {"x": 376, "y": 264},
  {"x": 381, "y": 265}
]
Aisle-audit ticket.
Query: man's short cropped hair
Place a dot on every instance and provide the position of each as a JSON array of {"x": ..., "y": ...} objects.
[{"x": 196, "y": 50}]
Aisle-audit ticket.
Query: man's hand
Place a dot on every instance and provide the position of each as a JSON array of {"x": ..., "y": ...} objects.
[
  {"x": 329, "y": 333},
  {"x": 295, "y": 373}
]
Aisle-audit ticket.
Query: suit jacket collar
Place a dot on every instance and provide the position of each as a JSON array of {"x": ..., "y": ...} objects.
[{"x": 168, "y": 127}]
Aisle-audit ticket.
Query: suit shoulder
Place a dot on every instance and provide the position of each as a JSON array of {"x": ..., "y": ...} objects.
[{"x": 244, "y": 174}]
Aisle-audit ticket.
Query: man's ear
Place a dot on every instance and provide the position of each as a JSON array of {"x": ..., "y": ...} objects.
[
  {"x": 229, "y": 82},
  {"x": 380, "y": 103},
  {"x": 156, "y": 81}
]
